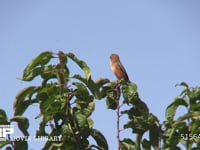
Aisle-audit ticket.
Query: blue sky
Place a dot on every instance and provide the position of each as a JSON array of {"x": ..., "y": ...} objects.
[{"x": 158, "y": 43}]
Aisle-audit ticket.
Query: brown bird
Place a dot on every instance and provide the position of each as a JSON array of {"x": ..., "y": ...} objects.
[{"x": 118, "y": 68}]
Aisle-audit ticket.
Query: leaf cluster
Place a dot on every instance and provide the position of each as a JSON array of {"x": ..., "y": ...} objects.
[
  {"x": 183, "y": 129},
  {"x": 66, "y": 102}
]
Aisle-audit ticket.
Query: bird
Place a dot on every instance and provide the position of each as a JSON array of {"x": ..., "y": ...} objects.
[{"x": 117, "y": 68}]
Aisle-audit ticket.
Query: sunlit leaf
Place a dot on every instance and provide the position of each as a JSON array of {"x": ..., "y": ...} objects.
[
  {"x": 81, "y": 91},
  {"x": 85, "y": 101},
  {"x": 194, "y": 98},
  {"x": 42, "y": 59},
  {"x": 185, "y": 117},
  {"x": 90, "y": 123},
  {"x": 194, "y": 127},
  {"x": 55, "y": 145},
  {"x": 139, "y": 110},
  {"x": 85, "y": 107},
  {"x": 51, "y": 107},
  {"x": 48, "y": 72},
  {"x": 127, "y": 144},
  {"x": 171, "y": 109},
  {"x": 101, "y": 88},
  {"x": 129, "y": 91},
  {"x": 32, "y": 74},
  {"x": 152, "y": 118},
  {"x": 81, "y": 64},
  {"x": 91, "y": 85},
  {"x": 173, "y": 137},
  {"x": 81, "y": 120}
]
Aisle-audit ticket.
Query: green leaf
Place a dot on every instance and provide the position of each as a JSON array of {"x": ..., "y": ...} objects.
[
  {"x": 55, "y": 145},
  {"x": 46, "y": 72},
  {"x": 23, "y": 94},
  {"x": 51, "y": 106},
  {"x": 129, "y": 91},
  {"x": 23, "y": 124},
  {"x": 194, "y": 98},
  {"x": 154, "y": 135},
  {"x": 33, "y": 73},
  {"x": 194, "y": 127},
  {"x": 171, "y": 109},
  {"x": 21, "y": 144},
  {"x": 99, "y": 138},
  {"x": 183, "y": 84},
  {"x": 146, "y": 145},
  {"x": 23, "y": 106},
  {"x": 41, "y": 131},
  {"x": 153, "y": 119},
  {"x": 138, "y": 125},
  {"x": 3, "y": 117},
  {"x": 113, "y": 94},
  {"x": 127, "y": 144},
  {"x": 91, "y": 85},
  {"x": 23, "y": 99},
  {"x": 90, "y": 123},
  {"x": 81, "y": 120},
  {"x": 81, "y": 64},
  {"x": 52, "y": 99},
  {"x": 85, "y": 107},
  {"x": 82, "y": 124},
  {"x": 102, "y": 81},
  {"x": 4, "y": 143},
  {"x": 81, "y": 92},
  {"x": 42, "y": 59},
  {"x": 186, "y": 117},
  {"x": 111, "y": 103},
  {"x": 100, "y": 88},
  {"x": 172, "y": 137},
  {"x": 139, "y": 110},
  {"x": 89, "y": 109}
]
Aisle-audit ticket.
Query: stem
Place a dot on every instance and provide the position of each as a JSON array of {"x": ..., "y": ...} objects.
[
  {"x": 188, "y": 125},
  {"x": 118, "y": 127},
  {"x": 118, "y": 93},
  {"x": 138, "y": 141},
  {"x": 160, "y": 136}
]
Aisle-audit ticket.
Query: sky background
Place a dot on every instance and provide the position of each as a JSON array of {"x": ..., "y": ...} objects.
[{"x": 158, "y": 43}]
